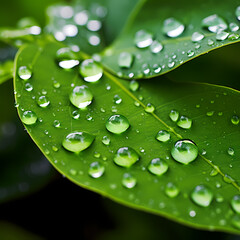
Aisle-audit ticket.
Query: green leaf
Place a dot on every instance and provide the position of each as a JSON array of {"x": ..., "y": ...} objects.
[
  {"x": 210, "y": 108},
  {"x": 176, "y": 50},
  {"x": 6, "y": 71}
]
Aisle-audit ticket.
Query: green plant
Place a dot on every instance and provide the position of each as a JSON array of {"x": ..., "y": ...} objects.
[{"x": 107, "y": 119}]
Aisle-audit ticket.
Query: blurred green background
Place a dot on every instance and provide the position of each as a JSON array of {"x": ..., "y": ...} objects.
[{"x": 36, "y": 202}]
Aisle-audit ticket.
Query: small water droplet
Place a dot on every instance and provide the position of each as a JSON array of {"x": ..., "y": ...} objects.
[
  {"x": 157, "y": 68},
  {"x": 81, "y": 96},
  {"x": 184, "y": 151},
  {"x": 29, "y": 117},
  {"x": 237, "y": 12},
  {"x": 190, "y": 53},
  {"x": 96, "y": 169},
  {"x": 235, "y": 120},
  {"x": 172, "y": 27},
  {"x": 117, "y": 124},
  {"x": 163, "y": 136},
  {"x": 66, "y": 58},
  {"x": 149, "y": 108},
  {"x": 90, "y": 70},
  {"x": 117, "y": 99},
  {"x": 106, "y": 140},
  {"x": 158, "y": 166},
  {"x": 143, "y": 39},
  {"x": 43, "y": 102},
  {"x": 202, "y": 195},
  {"x": 77, "y": 141},
  {"x": 129, "y": 181},
  {"x": 125, "y": 60},
  {"x": 210, "y": 42},
  {"x": 197, "y": 36},
  {"x": 210, "y": 113},
  {"x": 230, "y": 151},
  {"x": 24, "y": 73},
  {"x": 221, "y": 35},
  {"x": 228, "y": 179},
  {"x": 171, "y": 190},
  {"x": 55, "y": 148},
  {"x": 171, "y": 64},
  {"x": 156, "y": 47},
  {"x": 126, "y": 157},
  {"x": 214, "y": 23},
  {"x": 134, "y": 85},
  {"x": 28, "y": 87},
  {"x": 192, "y": 213},
  {"x": 233, "y": 27},
  {"x": 233, "y": 36},
  {"x": 184, "y": 122},
  {"x": 235, "y": 203},
  {"x": 56, "y": 124},
  {"x": 76, "y": 114},
  {"x": 174, "y": 115},
  {"x": 56, "y": 84}
]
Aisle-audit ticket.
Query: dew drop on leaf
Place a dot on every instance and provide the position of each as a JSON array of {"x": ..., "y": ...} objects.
[
  {"x": 129, "y": 181},
  {"x": 235, "y": 120},
  {"x": 233, "y": 27},
  {"x": 149, "y": 108},
  {"x": 76, "y": 114},
  {"x": 81, "y": 96},
  {"x": 171, "y": 190},
  {"x": 96, "y": 169},
  {"x": 174, "y": 115},
  {"x": 126, "y": 157},
  {"x": 184, "y": 151},
  {"x": 106, "y": 140},
  {"x": 237, "y": 12},
  {"x": 43, "y": 101},
  {"x": 158, "y": 166},
  {"x": 230, "y": 151},
  {"x": 221, "y": 35},
  {"x": 90, "y": 70},
  {"x": 163, "y": 136},
  {"x": 117, "y": 124},
  {"x": 197, "y": 36},
  {"x": 156, "y": 47},
  {"x": 29, "y": 117},
  {"x": 77, "y": 141},
  {"x": 24, "y": 73},
  {"x": 214, "y": 23},
  {"x": 184, "y": 122},
  {"x": 172, "y": 27},
  {"x": 66, "y": 58},
  {"x": 56, "y": 124},
  {"x": 56, "y": 84},
  {"x": 117, "y": 99},
  {"x": 134, "y": 85},
  {"x": 235, "y": 203},
  {"x": 202, "y": 196},
  {"x": 143, "y": 39},
  {"x": 125, "y": 60},
  {"x": 190, "y": 53},
  {"x": 28, "y": 87},
  {"x": 210, "y": 42}
]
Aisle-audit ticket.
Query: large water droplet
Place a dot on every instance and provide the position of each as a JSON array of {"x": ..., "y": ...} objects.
[
  {"x": 233, "y": 27},
  {"x": 184, "y": 122},
  {"x": 125, "y": 60},
  {"x": 214, "y": 23},
  {"x": 221, "y": 35},
  {"x": 156, "y": 47},
  {"x": 174, "y": 115},
  {"x": 128, "y": 180},
  {"x": 66, "y": 58},
  {"x": 163, "y": 136},
  {"x": 158, "y": 166},
  {"x": 197, "y": 36},
  {"x": 126, "y": 157},
  {"x": 90, "y": 70},
  {"x": 184, "y": 151},
  {"x": 171, "y": 190},
  {"x": 143, "y": 39},
  {"x": 29, "y": 117},
  {"x": 81, "y": 96},
  {"x": 172, "y": 27},
  {"x": 202, "y": 195},
  {"x": 96, "y": 169},
  {"x": 237, "y": 12},
  {"x": 77, "y": 141},
  {"x": 235, "y": 203},
  {"x": 117, "y": 124},
  {"x": 24, "y": 73},
  {"x": 43, "y": 101}
]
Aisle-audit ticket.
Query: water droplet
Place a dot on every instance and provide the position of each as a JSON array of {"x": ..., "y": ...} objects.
[
  {"x": 133, "y": 85},
  {"x": 228, "y": 179},
  {"x": 117, "y": 124},
  {"x": 94, "y": 25},
  {"x": 24, "y": 73},
  {"x": 171, "y": 190},
  {"x": 143, "y": 39},
  {"x": 210, "y": 113},
  {"x": 214, "y": 23},
  {"x": 235, "y": 120},
  {"x": 149, "y": 108},
  {"x": 43, "y": 101},
  {"x": 90, "y": 70},
  {"x": 29, "y": 117},
  {"x": 190, "y": 53},
  {"x": 129, "y": 181},
  {"x": 221, "y": 35},
  {"x": 106, "y": 140},
  {"x": 172, "y": 27},
  {"x": 192, "y": 213},
  {"x": 66, "y": 58},
  {"x": 28, "y": 87},
  {"x": 203, "y": 152},
  {"x": 125, "y": 60},
  {"x": 96, "y": 169},
  {"x": 117, "y": 99},
  {"x": 158, "y": 166},
  {"x": 184, "y": 151},
  {"x": 77, "y": 141},
  {"x": 56, "y": 84},
  {"x": 156, "y": 47},
  {"x": 171, "y": 64},
  {"x": 237, "y": 12},
  {"x": 56, "y": 124},
  {"x": 157, "y": 68},
  {"x": 214, "y": 172},
  {"x": 184, "y": 122},
  {"x": 163, "y": 136},
  {"x": 197, "y": 36},
  {"x": 126, "y": 157},
  {"x": 76, "y": 114},
  {"x": 174, "y": 115},
  {"x": 230, "y": 151},
  {"x": 210, "y": 42},
  {"x": 97, "y": 155},
  {"x": 202, "y": 195},
  {"x": 235, "y": 203},
  {"x": 81, "y": 96},
  {"x": 233, "y": 27},
  {"x": 219, "y": 198}
]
